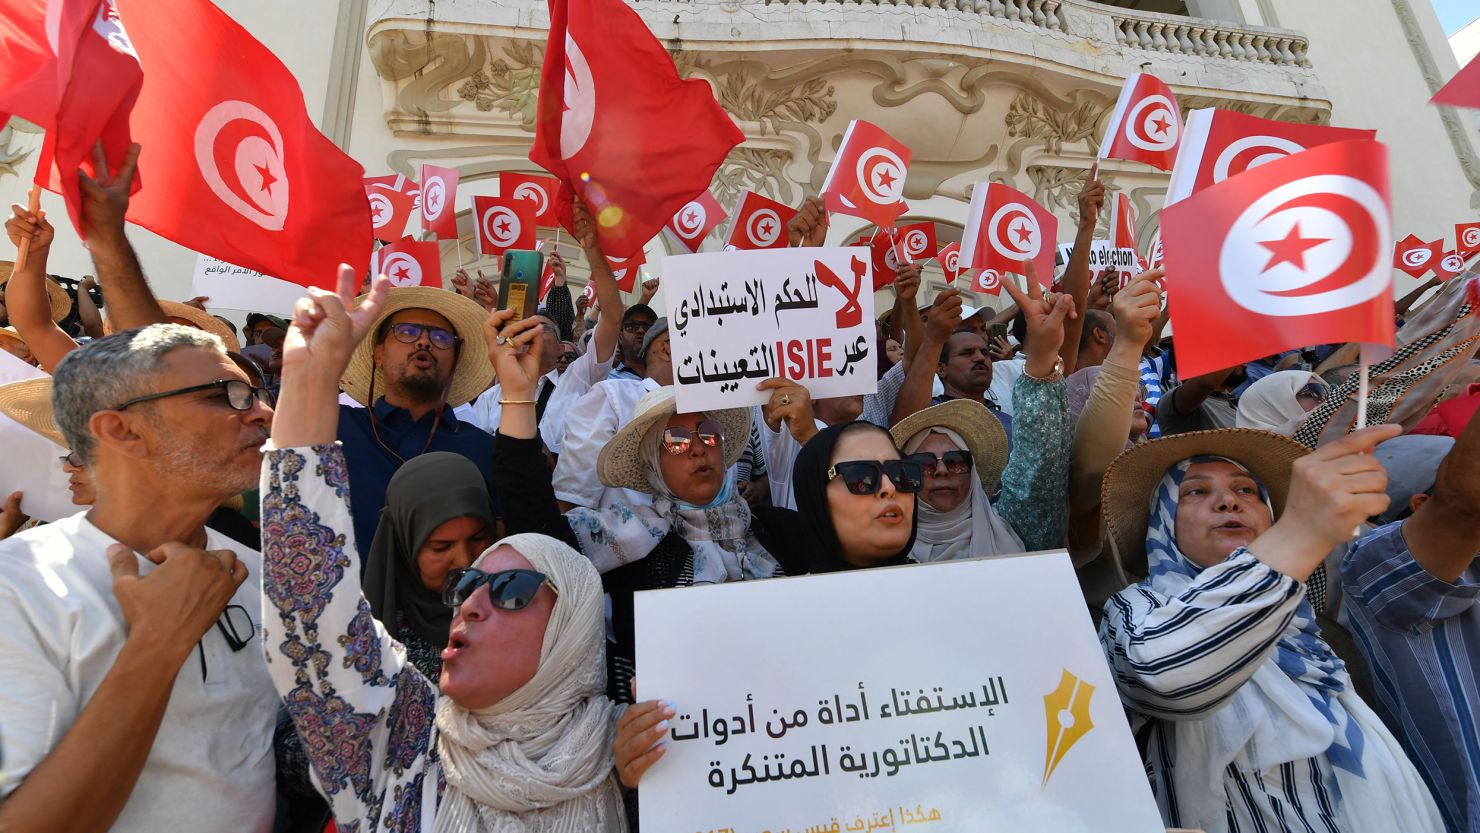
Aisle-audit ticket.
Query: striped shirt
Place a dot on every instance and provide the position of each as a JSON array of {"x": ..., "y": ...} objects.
[
  {"x": 1155, "y": 371},
  {"x": 1420, "y": 636},
  {"x": 1179, "y": 659}
]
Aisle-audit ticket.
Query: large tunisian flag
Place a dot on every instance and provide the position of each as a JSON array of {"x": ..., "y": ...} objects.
[
  {"x": 1292, "y": 253},
  {"x": 233, "y": 165},
  {"x": 38, "y": 40},
  {"x": 1146, "y": 124},
  {"x": 619, "y": 128}
]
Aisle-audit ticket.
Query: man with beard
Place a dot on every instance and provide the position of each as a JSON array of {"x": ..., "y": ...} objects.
[
  {"x": 965, "y": 371},
  {"x": 424, "y": 357},
  {"x": 132, "y": 681}
]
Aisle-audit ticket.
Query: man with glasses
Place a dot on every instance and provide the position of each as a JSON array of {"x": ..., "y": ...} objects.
[
  {"x": 485, "y": 411},
  {"x": 569, "y": 352},
  {"x": 133, "y": 692}
]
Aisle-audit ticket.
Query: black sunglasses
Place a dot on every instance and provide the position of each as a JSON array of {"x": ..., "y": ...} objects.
[
  {"x": 636, "y": 326},
  {"x": 865, "y": 477},
  {"x": 956, "y": 462},
  {"x": 678, "y": 440},
  {"x": 568, "y": 357},
  {"x": 408, "y": 333},
  {"x": 507, "y": 589},
  {"x": 239, "y": 395}
]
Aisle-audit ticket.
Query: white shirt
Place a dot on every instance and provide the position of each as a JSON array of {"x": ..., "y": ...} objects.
[
  {"x": 485, "y": 411},
  {"x": 579, "y": 378},
  {"x": 211, "y": 766},
  {"x": 780, "y": 449},
  {"x": 1004, "y": 375},
  {"x": 589, "y": 422}
]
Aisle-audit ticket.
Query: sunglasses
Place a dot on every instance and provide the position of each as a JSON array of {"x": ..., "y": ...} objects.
[
  {"x": 956, "y": 462},
  {"x": 635, "y": 327},
  {"x": 866, "y": 477},
  {"x": 507, "y": 589},
  {"x": 678, "y": 440},
  {"x": 1314, "y": 391},
  {"x": 239, "y": 395},
  {"x": 408, "y": 333},
  {"x": 568, "y": 357}
]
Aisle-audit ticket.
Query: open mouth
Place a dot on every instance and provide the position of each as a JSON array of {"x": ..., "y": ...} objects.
[
  {"x": 1231, "y": 526},
  {"x": 891, "y": 514}
]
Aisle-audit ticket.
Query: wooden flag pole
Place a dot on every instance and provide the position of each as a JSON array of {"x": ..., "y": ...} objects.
[{"x": 33, "y": 204}]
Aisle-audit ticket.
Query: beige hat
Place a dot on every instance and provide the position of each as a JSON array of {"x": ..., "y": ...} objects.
[
  {"x": 983, "y": 432},
  {"x": 13, "y": 334},
  {"x": 29, "y": 403},
  {"x": 1130, "y": 479},
  {"x": 61, "y": 302},
  {"x": 621, "y": 465},
  {"x": 473, "y": 373},
  {"x": 197, "y": 318}
]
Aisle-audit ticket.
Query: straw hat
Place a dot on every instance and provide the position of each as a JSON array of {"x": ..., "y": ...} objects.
[
  {"x": 620, "y": 464},
  {"x": 29, "y": 403},
  {"x": 13, "y": 334},
  {"x": 61, "y": 302},
  {"x": 1129, "y": 481},
  {"x": 983, "y": 432},
  {"x": 197, "y": 318},
  {"x": 473, "y": 373}
]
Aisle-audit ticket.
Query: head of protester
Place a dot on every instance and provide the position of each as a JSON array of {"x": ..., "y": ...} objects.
[
  {"x": 422, "y": 353},
  {"x": 637, "y": 319},
  {"x": 856, "y": 496},
  {"x": 28, "y": 402},
  {"x": 1280, "y": 401},
  {"x": 1252, "y": 716}
]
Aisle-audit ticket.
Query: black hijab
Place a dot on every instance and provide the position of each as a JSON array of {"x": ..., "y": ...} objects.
[
  {"x": 809, "y": 482},
  {"x": 428, "y": 491}
]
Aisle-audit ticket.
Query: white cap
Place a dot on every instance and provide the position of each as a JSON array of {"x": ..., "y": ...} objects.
[{"x": 967, "y": 312}]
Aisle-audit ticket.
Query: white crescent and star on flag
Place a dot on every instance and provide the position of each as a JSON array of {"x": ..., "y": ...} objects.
[
  {"x": 501, "y": 226},
  {"x": 239, "y": 150},
  {"x": 532, "y": 191},
  {"x": 880, "y": 174},
  {"x": 433, "y": 197},
  {"x": 763, "y": 228},
  {"x": 579, "y": 101},
  {"x": 690, "y": 220},
  {"x": 1013, "y": 231},
  {"x": 1250, "y": 152},
  {"x": 381, "y": 210},
  {"x": 401, "y": 268}
]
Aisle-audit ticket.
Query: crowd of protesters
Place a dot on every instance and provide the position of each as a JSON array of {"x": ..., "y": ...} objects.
[{"x": 373, "y": 566}]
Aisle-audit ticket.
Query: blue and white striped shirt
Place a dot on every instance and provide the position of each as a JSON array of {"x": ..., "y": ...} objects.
[{"x": 1420, "y": 636}]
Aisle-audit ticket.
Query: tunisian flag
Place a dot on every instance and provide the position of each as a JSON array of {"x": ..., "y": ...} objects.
[
  {"x": 867, "y": 176},
  {"x": 1218, "y": 144},
  {"x": 618, "y": 127},
  {"x": 392, "y": 202},
  {"x": 234, "y": 167},
  {"x": 950, "y": 261},
  {"x": 1005, "y": 231},
  {"x": 38, "y": 39},
  {"x": 695, "y": 220},
  {"x": 409, "y": 263},
  {"x": 439, "y": 201},
  {"x": 626, "y": 270},
  {"x": 759, "y": 223},
  {"x": 1416, "y": 257},
  {"x": 1146, "y": 125},
  {"x": 538, "y": 190},
  {"x": 1292, "y": 253},
  {"x": 1467, "y": 238},
  {"x": 504, "y": 223}
]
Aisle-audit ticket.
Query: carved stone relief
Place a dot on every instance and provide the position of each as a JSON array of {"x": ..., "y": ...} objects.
[{"x": 11, "y": 157}]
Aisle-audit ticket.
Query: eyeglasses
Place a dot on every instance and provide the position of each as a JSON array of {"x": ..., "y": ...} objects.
[
  {"x": 956, "y": 462},
  {"x": 866, "y": 477},
  {"x": 636, "y": 327},
  {"x": 408, "y": 333},
  {"x": 507, "y": 589},
  {"x": 239, "y": 395},
  {"x": 72, "y": 459},
  {"x": 236, "y": 627},
  {"x": 678, "y": 440},
  {"x": 568, "y": 357}
]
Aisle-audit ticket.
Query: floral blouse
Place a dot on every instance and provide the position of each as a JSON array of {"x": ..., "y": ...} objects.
[
  {"x": 363, "y": 711},
  {"x": 1035, "y": 484}
]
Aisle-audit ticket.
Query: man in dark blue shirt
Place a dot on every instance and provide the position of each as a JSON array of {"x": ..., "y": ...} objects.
[{"x": 424, "y": 357}]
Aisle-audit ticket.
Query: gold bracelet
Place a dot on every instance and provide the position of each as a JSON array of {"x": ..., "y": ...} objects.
[{"x": 517, "y": 402}]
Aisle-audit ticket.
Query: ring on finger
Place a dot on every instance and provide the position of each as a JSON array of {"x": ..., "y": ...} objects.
[
  {"x": 500, "y": 341},
  {"x": 785, "y": 399}
]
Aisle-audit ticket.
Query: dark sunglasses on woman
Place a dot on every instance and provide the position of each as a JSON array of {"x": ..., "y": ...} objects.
[
  {"x": 865, "y": 477},
  {"x": 677, "y": 440},
  {"x": 507, "y": 589},
  {"x": 956, "y": 462}
]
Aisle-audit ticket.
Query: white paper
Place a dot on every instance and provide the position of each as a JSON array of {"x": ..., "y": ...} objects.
[
  {"x": 738, "y": 318},
  {"x": 1009, "y": 636},
  {"x": 32, "y": 462},
  {"x": 229, "y": 286}
]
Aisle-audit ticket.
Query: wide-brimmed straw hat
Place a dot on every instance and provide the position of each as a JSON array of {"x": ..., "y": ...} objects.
[
  {"x": 197, "y": 318},
  {"x": 982, "y": 431},
  {"x": 621, "y": 465},
  {"x": 1129, "y": 481},
  {"x": 29, "y": 403},
  {"x": 61, "y": 302},
  {"x": 472, "y": 374}
]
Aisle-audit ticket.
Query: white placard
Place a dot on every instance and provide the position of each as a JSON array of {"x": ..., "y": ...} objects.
[
  {"x": 235, "y": 287},
  {"x": 32, "y": 462},
  {"x": 738, "y": 318},
  {"x": 1102, "y": 257},
  {"x": 958, "y": 696}
]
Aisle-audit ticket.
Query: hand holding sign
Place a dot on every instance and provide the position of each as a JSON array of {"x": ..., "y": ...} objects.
[
  {"x": 640, "y": 739},
  {"x": 792, "y": 404},
  {"x": 11, "y": 517}
]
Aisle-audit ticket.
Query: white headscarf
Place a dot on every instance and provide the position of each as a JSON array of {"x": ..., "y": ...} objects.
[
  {"x": 973, "y": 528},
  {"x": 1273, "y": 404},
  {"x": 541, "y": 759}
]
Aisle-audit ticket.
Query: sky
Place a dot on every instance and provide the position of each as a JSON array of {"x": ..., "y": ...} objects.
[{"x": 1454, "y": 14}]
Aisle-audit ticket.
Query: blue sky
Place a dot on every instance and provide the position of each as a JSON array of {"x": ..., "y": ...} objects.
[{"x": 1454, "y": 14}]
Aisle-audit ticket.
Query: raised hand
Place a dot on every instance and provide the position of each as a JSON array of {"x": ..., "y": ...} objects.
[
  {"x": 1136, "y": 309},
  {"x": 1091, "y": 199},
  {"x": 809, "y": 226},
  {"x": 327, "y": 326},
  {"x": 1045, "y": 316},
  {"x": 944, "y": 317},
  {"x": 584, "y": 228},
  {"x": 11, "y": 516},
  {"x": 26, "y": 224},
  {"x": 105, "y": 196},
  {"x": 557, "y": 267},
  {"x": 790, "y": 403},
  {"x": 649, "y": 289},
  {"x": 907, "y": 284},
  {"x": 517, "y": 365},
  {"x": 462, "y": 284},
  {"x": 485, "y": 292}
]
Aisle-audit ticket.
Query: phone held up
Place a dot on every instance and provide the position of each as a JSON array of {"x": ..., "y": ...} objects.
[{"x": 519, "y": 286}]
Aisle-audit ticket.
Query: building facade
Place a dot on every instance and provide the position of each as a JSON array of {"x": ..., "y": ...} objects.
[{"x": 1011, "y": 91}]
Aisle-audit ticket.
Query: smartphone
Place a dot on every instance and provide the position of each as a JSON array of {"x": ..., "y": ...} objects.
[
  {"x": 996, "y": 331},
  {"x": 519, "y": 288}
]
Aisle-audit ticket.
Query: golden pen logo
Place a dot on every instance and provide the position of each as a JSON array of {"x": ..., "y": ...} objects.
[{"x": 1066, "y": 711}]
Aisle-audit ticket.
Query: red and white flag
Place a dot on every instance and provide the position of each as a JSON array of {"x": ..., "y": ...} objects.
[
  {"x": 1449, "y": 266},
  {"x": 233, "y": 165},
  {"x": 1219, "y": 144},
  {"x": 759, "y": 223},
  {"x": 1156, "y": 255},
  {"x": 1146, "y": 124},
  {"x": 911, "y": 243},
  {"x": 626, "y": 271},
  {"x": 439, "y": 201},
  {"x": 1292, "y": 253},
  {"x": 950, "y": 261},
  {"x": 409, "y": 263},
  {"x": 695, "y": 220},
  {"x": 880, "y": 258},
  {"x": 1467, "y": 238},
  {"x": 867, "y": 176},
  {"x": 38, "y": 39},
  {"x": 1416, "y": 257},
  {"x": 540, "y": 190},
  {"x": 1123, "y": 237},
  {"x": 1006, "y": 230},
  {"x": 547, "y": 279},
  {"x": 504, "y": 223},
  {"x": 392, "y": 202},
  {"x": 619, "y": 128},
  {"x": 1463, "y": 90},
  {"x": 988, "y": 281}
]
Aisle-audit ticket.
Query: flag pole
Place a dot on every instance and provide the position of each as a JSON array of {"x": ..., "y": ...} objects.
[
  {"x": 33, "y": 204},
  {"x": 1362, "y": 391}
]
